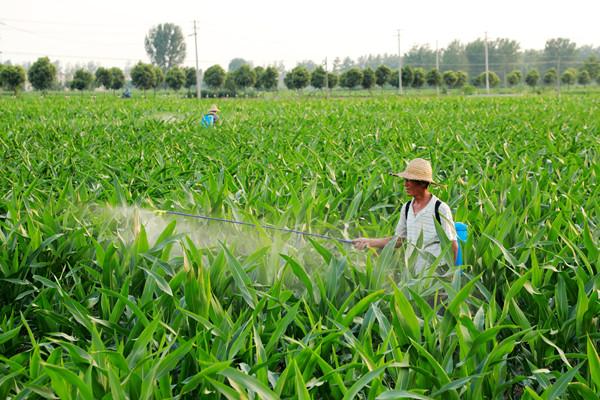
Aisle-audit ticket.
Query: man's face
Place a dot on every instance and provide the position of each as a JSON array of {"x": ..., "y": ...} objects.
[{"x": 413, "y": 187}]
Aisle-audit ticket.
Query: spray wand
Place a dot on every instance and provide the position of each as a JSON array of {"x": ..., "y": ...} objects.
[{"x": 249, "y": 224}]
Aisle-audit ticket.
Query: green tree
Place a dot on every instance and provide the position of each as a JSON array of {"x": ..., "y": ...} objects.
[
  {"x": 118, "y": 79},
  {"x": 82, "y": 80},
  {"x": 461, "y": 79},
  {"x": 244, "y": 77},
  {"x": 258, "y": 72},
  {"x": 317, "y": 78},
  {"x": 532, "y": 78},
  {"x": 407, "y": 76},
  {"x": 143, "y": 76},
  {"x": 165, "y": 46},
  {"x": 175, "y": 78},
  {"x": 159, "y": 78},
  {"x": 269, "y": 78},
  {"x": 569, "y": 77},
  {"x": 214, "y": 77},
  {"x": 420, "y": 56},
  {"x": 514, "y": 78},
  {"x": 229, "y": 83},
  {"x": 475, "y": 53},
  {"x": 418, "y": 78},
  {"x": 13, "y": 77},
  {"x": 235, "y": 63},
  {"x": 433, "y": 77},
  {"x": 449, "y": 77},
  {"x": 332, "y": 80},
  {"x": 591, "y": 65},
  {"x": 454, "y": 56},
  {"x": 42, "y": 74},
  {"x": 298, "y": 79},
  {"x": 351, "y": 78},
  {"x": 583, "y": 77},
  {"x": 369, "y": 78},
  {"x": 560, "y": 49},
  {"x": 104, "y": 78},
  {"x": 383, "y": 74},
  {"x": 550, "y": 77},
  {"x": 190, "y": 77}
]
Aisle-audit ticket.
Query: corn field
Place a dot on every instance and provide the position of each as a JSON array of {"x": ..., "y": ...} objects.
[{"x": 105, "y": 296}]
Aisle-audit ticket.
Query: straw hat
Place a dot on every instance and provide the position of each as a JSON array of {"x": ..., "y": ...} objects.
[
  {"x": 213, "y": 108},
  {"x": 418, "y": 170}
]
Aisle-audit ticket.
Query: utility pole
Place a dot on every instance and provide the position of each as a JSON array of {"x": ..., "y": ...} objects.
[
  {"x": 326, "y": 80},
  {"x": 558, "y": 76},
  {"x": 487, "y": 72},
  {"x": 399, "y": 66},
  {"x": 198, "y": 80},
  {"x": 437, "y": 64}
]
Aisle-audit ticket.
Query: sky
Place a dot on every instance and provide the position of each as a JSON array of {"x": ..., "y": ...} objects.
[{"x": 111, "y": 33}]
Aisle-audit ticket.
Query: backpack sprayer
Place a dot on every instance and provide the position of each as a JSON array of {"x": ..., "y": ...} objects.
[{"x": 249, "y": 224}]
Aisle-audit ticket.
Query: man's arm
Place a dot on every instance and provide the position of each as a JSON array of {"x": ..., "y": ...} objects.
[{"x": 363, "y": 243}]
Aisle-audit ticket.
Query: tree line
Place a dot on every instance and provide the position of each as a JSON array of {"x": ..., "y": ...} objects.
[{"x": 459, "y": 65}]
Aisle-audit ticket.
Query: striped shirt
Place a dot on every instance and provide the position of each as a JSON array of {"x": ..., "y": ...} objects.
[{"x": 410, "y": 229}]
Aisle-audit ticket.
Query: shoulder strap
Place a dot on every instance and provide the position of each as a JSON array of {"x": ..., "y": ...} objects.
[
  {"x": 438, "y": 203},
  {"x": 406, "y": 209}
]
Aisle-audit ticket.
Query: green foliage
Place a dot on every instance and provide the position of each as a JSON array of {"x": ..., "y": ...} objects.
[
  {"x": 493, "y": 80},
  {"x": 461, "y": 79},
  {"x": 82, "y": 80},
  {"x": 165, "y": 46},
  {"x": 408, "y": 76},
  {"x": 514, "y": 78},
  {"x": 351, "y": 78},
  {"x": 259, "y": 73},
  {"x": 592, "y": 66},
  {"x": 214, "y": 77},
  {"x": 159, "y": 77},
  {"x": 449, "y": 78},
  {"x": 369, "y": 78},
  {"x": 532, "y": 78},
  {"x": 103, "y": 78},
  {"x": 269, "y": 80},
  {"x": 433, "y": 77},
  {"x": 190, "y": 77},
  {"x": 244, "y": 77},
  {"x": 42, "y": 74},
  {"x": 383, "y": 74},
  {"x": 104, "y": 297},
  {"x": 419, "y": 78},
  {"x": 569, "y": 77},
  {"x": 298, "y": 78},
  {"x": 118, "y": 78},
  {"x": 332, "y": 80},
  {"x": 550, "y": 77},
  {"x": 13, "y": 77},
  {"x": 583, "y": 77},
  {"x": 468, "y": 90},
  {"x": 175, "y": 78},
  {"x": 317, "y": 77},
  {"x": 143, "y": 76}
]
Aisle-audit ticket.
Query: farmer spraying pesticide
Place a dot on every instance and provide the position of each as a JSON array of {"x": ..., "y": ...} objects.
[
  {"x": 418, "y": 218},
  {"x": 211, "y": 118}
]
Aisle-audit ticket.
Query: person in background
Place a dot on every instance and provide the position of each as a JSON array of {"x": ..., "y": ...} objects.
[
  {"x": 211, "y": 117},
  {"x": 419, "y": 218}
]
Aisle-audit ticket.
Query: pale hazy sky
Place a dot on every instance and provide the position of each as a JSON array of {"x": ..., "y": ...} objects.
[{"x": 264, "y": 31}]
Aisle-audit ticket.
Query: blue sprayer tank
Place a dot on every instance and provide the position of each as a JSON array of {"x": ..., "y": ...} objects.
[{"x": 462, "y": 233}]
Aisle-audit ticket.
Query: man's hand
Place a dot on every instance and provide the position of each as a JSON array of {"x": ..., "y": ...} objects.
[{"x": 361, "y": 243}]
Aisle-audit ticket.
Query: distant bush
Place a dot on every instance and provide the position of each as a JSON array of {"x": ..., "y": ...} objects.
[{"x": 468, "y": 90}]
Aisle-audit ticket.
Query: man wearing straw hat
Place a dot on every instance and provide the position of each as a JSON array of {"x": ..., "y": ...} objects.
[
  {"x": 211, "y": 118},
  {"x": 420, "y": 218}
]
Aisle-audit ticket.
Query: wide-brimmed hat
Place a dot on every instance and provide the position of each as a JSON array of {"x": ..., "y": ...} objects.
[
  {"x": 418, "y": 170},
  {"x": 214, "y": 108}
]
